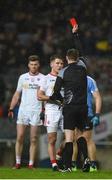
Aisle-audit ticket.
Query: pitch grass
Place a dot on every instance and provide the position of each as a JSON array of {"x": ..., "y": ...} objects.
[{"x": 43, "y": 173}]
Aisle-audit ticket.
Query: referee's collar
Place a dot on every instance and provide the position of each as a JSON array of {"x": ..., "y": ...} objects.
[{"x": 75, "y": 62}]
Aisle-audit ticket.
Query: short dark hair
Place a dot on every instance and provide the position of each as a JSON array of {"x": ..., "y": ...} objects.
[
  {"x": 72, "y": 54},
  {"x": 33, "y": 58},
  {"x": 56, "y": 56}
]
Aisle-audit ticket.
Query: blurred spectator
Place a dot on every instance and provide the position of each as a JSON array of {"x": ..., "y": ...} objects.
[{"x": 2, "y": 90}]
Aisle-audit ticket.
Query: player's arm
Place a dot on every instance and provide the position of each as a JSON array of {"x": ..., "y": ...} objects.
[
  {"x": 41, "y": 95},
  {"x": 15, "y": 98},
  {"x": 14, "y": 102},
  {"x": 98, "y": 101}
]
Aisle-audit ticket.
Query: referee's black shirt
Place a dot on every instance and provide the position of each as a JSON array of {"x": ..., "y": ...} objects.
[{"x": 73, "y": 79}]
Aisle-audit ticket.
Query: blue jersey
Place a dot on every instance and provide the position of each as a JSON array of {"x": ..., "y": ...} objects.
[{"x": 91, "y": 88}]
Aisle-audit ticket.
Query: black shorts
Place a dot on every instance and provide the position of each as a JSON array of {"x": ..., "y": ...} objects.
[{"x": 76, "y": 117}]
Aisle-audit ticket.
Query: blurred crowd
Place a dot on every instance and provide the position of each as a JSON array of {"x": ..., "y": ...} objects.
[{"x": 42, "y": 27}]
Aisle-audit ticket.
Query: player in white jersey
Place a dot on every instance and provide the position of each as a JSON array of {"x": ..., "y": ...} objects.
[
  {"x": 53, "y": 113},
  {"x": 29, "y": 109}
]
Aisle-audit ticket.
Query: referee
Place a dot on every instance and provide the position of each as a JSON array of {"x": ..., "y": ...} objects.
[{"x": 73, "y": 79}]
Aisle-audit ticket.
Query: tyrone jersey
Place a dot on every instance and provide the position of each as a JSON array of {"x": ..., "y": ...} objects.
[
  {"x": 28, "y": 86},
  {"x": 47, "y": 86}
]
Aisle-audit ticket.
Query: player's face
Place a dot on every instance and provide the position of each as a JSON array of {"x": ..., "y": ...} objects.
[
  {"x": 34, "y": 67},
  {"x": 57, "y": 65}
]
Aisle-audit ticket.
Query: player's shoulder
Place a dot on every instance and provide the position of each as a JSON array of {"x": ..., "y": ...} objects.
[
  {"x": 50, "y": 76},
  {"x": 41, "y": 75},
  {"x": 24, "y": 75},
  {"x": 46, "y": 76},
  {"x": 91, "y": 83},
  {"x": 90, "y": 79}
]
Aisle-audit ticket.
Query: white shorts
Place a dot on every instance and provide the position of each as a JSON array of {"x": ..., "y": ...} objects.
[
  {"x": 29, "y": 118},
  {"x": 53, "y": 120}
]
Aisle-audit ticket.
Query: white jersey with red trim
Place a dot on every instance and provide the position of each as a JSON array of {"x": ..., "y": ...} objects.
[
  {"x": 28, "y": 86},
  {"x": 47, "y": 86}
]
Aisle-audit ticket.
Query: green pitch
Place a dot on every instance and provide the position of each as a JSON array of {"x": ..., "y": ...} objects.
[{"x": 39, "y": 173}]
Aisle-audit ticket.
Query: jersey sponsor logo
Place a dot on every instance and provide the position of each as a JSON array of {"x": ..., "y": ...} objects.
[
  {"x": 33, "y": 86},
  {"x": 30, "y": 86}
]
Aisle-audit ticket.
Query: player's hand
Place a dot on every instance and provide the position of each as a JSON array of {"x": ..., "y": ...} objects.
[
  {"x": 75, "y": 28},
  {"x": 96, "y": 120},
  {"x": 10, "y": 114}
]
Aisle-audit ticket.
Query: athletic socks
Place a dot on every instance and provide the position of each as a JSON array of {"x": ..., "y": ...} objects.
[
  {"x": 18, "y": 163},
  {"x": 31, "y": 163},
  {"x": 82, "y": 147},
  {"x": 18, "y": 160},
  {"x": 53, "y": 162},
  {"x": 67, "y": 154}
]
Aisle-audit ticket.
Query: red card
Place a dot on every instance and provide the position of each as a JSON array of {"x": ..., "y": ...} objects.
[{"x": 73, "y": 22}]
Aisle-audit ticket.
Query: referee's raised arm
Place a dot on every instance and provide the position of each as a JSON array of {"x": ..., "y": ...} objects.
[
  {"x": 78, "y": 45},
  {"x": 77, "y": 42}
]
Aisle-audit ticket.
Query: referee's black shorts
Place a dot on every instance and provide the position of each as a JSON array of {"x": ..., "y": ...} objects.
[{"x": 76, "y": 116}]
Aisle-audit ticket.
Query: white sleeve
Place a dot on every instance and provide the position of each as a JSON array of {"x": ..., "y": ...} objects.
[
  {"x": 19, "y": 85},
  {"x": 43, "y": 84}
]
